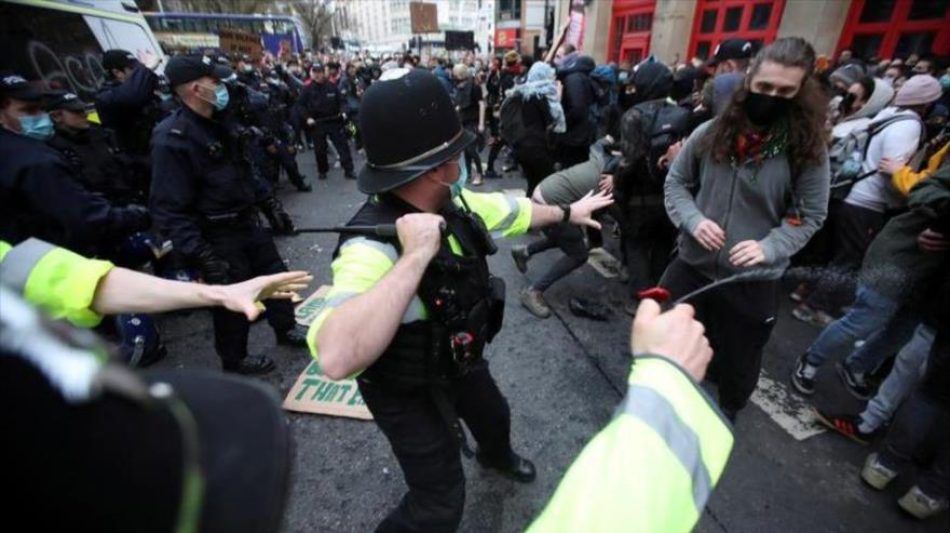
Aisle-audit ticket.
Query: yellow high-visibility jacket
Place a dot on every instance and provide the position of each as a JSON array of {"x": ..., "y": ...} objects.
[
  {"x": 653, "y": 467},
  {"x": 59, "y": 281}
]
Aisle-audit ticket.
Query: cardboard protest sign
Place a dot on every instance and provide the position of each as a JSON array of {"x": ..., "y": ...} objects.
[
  {"x": 313, "y": 392},
  {"x": 240, "y": 42}
]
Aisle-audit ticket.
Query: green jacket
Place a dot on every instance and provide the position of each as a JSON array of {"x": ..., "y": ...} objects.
[
  {"x": 654, "y": 466},
  {"x": 61, "y": 282},
  {"x": 894, "y": 264}
]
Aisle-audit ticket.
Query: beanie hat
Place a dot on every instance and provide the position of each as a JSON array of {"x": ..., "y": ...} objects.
[
  {"x": 848, "y": 74},
  {"x": 918, "y": 90}
]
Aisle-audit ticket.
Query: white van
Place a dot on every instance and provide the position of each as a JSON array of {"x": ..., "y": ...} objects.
[{"x": 59, "y": 43}]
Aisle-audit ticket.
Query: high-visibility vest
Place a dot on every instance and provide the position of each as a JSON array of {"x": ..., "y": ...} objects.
[
  {"x": 653, "y": 467},
  {"x": 61, "y": 282}
]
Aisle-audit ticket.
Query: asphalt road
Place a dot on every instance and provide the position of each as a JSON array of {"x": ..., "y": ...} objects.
[{"x": 563, "y": 377}]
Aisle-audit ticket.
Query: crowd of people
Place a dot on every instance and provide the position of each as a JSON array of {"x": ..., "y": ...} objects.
[{"x": 753, "y": 173}]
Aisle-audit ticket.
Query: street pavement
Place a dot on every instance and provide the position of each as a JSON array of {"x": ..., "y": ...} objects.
[{"x": 563, "y": 377}]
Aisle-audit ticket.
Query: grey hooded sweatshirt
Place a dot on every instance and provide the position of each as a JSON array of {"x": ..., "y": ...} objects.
[{"x": 748, "y": 201}]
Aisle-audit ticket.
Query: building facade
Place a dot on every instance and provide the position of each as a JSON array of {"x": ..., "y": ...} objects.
[
  {"x": 676, "y": 30},
  {"x": 385, "y": 25}
]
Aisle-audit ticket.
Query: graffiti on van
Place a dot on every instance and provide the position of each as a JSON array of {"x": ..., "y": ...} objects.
[{"x": 79, "y": 73}]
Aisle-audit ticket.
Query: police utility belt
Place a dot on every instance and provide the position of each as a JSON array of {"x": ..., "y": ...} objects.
[{"x": 465, "y": 303}]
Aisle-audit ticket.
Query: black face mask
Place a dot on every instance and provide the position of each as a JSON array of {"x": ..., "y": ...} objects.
[{"x": 763, "y": 109}]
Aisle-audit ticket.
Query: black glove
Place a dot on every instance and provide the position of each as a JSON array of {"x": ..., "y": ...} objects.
[
  {"x": 214, "y": 270},
  {"x": 280, "y": 221},
  {"x": 134, "y": 218}
]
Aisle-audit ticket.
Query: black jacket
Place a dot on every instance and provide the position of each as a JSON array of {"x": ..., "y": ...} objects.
[
  {"x": 39, "y": 197},
  {"x": 577, "y": 99},
  {"x": 321, "y": 101},
  {"x": 199, "y": 174},
  {"x": 130, "y": 109},
  {"x": 94, "y": 157}
]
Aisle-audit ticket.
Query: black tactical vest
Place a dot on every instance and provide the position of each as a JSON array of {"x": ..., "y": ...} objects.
[{"x": 465, "y": 303}]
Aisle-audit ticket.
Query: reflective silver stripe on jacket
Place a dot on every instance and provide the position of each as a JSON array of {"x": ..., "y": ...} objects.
[
  {"x": 514, "y": 209},
  {"x": 651, "y": 408},
  {"x": 20, "y": 261}
]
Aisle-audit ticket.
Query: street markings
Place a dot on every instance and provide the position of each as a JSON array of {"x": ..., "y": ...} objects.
[{"x": 788, "y": 410}]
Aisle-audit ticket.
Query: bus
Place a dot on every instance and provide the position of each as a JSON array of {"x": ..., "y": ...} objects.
[
  {"x": 280, "y": 34},
  {"x": 58, "y": 44}
]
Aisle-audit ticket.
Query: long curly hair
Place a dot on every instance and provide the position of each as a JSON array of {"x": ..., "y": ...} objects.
[{"x": 807, "y": 136}]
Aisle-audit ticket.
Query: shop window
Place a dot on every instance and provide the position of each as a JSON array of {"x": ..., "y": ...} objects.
[
  {"x": 642, "y": 22},
  {"x": 733, "y": 18},
  {"x": 702, "y": 50},
  {"x": 760, "y": 16},
  {"x": 877, "y": 10},
  {"x": 866, "y": 46},
  {"x": 928, "y": 9},
  {"x": 709, "y": 21},
  {"x": 919, "y": 43}
]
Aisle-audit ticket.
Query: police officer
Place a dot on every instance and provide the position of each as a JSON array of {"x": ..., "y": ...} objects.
[
  {"x": 128, "y": 102},
  {"x": 92, "y": 152},
  {"x": 203, "y": 198},
  {"x": 322, "y": 106},
  {"x": 39, "y": 195},
  {"x": 412, "y": 313}
]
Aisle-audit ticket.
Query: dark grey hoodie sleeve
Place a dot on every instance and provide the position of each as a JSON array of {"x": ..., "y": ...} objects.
[
  {"x": 680, "y": 180},
  {"x": 810, "y": 197}
]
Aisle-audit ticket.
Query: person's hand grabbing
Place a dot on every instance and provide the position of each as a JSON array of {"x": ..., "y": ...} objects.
[
  {"x": 420, "y": 235},
  {"x": 675, "y": 335}
]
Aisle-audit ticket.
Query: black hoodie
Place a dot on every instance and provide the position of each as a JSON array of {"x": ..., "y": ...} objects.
[{"x": 577, "y": 99}]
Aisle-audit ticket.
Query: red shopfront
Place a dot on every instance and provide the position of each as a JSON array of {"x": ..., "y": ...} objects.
[
  {"x": 896, "y": 28},
  {"x": 717, "y": 20},
  {"x": 630, "y": 30}
]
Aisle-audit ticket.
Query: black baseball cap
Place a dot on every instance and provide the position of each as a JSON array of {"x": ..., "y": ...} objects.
[
  {"x": 14, "y": 86},
  {"x": 65, "y": 100},
  {"x": 117, "y": 59},
  {"x": 185, "y": 68},
  {"x": 731, "y": 49}
]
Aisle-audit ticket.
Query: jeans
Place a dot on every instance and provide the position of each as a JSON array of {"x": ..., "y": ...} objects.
[
  {"x": 926, "y": 412},
  {"x": 909, "y": 367},
  {"x": 570, "y": 239},
  {"x": 884, "y": 325}
]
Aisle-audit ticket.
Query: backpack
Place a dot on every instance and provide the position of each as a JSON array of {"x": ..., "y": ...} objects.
[
  {"x": 511, "y": 119},
  {"x": 847, "y": 154},
  {"x": 662, "y": 125}
]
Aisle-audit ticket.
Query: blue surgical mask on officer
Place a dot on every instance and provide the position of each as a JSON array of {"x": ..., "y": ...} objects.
[
  {"x": 39, "y": 127},
  {"x": 458, "y": 185},
  {"x": 221, "y": 97}
]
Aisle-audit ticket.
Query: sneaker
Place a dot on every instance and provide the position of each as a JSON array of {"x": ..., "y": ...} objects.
[
  {"x": 800, "y": 378},
  {"x": 799, "y": 294},
  {"x": 876, "y": 474},
  {"x": 815, "y": 317},
  {"x": 477, "y": 180},
  {"x": 491, "y": 174},
  {"x": 920, "y": 505},
  {"x": 854, "y": 382},
  {"x": 521, "y": 256},
  {"x": 534, "y": 302},
  {"x": 846, "y": 425}
]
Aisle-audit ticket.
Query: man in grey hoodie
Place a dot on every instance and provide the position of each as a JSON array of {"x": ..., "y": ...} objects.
[{"x": 747, "y": 191}]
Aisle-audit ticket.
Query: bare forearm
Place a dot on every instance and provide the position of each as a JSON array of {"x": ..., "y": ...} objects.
[
  {"x": 545, "y": 215},
  {"x": 356, "y": 333},
  {"x": 127, "y": 291}
]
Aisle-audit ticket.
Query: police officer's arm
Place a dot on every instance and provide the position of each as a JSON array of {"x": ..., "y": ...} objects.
[
  {"x": 507, "y": 216},
  {"x": 653, "y": 468},
  {"x": 67, "y": 285},
  {"x": 136, "y": 91},
  {"x": 172, "y": 197},
  {"x": 50, "y": 189},
  {"x": 371, "y": 294}
]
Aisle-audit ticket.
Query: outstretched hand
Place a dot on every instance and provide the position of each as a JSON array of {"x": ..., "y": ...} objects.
[
  {"x": 583, "y": 209},
  {"x": 243, "y": 297}
]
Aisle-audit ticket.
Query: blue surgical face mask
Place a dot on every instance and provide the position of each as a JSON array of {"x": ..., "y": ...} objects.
[
  {"x": 221, "y": 97},
  {"x": 945, "y": 82},
  {"x": 458, "y": 186},
  {"x": 38, "y": 127}
]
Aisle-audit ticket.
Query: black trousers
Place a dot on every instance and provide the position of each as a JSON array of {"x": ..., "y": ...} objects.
[
  {"x": 738, "y": 318},
  {"x": 334, "y": 130},
  {"x": 250, "y": 252},
  {"x": 537, "y": 163},
  {"x": 428, "y": 452},
  {"x": 648, "y": 237},
  {"x": 570, "y": 239}
]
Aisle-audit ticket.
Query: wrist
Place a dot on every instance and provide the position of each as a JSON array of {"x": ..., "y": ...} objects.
[{"x": 210, "y": 295}]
